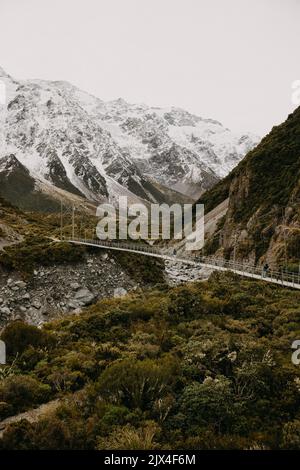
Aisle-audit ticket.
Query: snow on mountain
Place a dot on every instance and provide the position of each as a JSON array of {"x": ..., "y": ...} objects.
[
  {"x": 171, "y": 145},
  {"x": 96, "y": 149}
]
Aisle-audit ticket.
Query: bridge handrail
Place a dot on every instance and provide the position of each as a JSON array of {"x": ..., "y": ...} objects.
[{"x": 249, "y": 269}]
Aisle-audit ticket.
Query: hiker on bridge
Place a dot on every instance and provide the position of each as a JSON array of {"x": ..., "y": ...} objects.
[{"x": 265, "y": 270}]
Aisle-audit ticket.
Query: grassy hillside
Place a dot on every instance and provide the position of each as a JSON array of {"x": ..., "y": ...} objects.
[{"x": 202, "y": 366}]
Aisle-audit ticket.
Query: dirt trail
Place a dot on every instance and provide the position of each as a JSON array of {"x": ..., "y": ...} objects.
[{"x": 31, "y": 415}]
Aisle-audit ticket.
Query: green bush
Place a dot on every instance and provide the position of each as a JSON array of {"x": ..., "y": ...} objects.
[
  {"x": 23, "y": 391},
  {"x": 291, "y": 435},
  {"x": 137, "y": 384},
  {"x": 210, "y": 403},
  {"x": 208, "y": 364},
  {"x": 35, "y": 251},
  {"x": 18, "y": 336}
]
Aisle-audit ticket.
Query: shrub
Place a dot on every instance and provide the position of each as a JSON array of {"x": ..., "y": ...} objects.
[
  {"x": 50, "y": 433},
  {"x": 210, "y": 403},
  {"x": 291, "y": 435},
  {"x": 23, "y": 391},
  {"x": 184, "y": 303},
  {"x": 130, "y": 438},
  {"x": 18, "y": 436},
  {"x": 64, "y": 380},
  {"x": 39, "y": 251},
  {"x": 18, "y": 336},
  {"x": 137, "y": 384}
]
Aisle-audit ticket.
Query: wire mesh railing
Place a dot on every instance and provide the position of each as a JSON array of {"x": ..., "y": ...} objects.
[{"x": 278, "y": 276}]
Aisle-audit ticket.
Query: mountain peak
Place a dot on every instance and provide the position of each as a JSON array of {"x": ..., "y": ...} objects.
[
  {"x": 3, "y": 74},
  {"x": 9, "y": 162},
  {"x": 98, "y": 149},
  {"x": 120, "y": 102}
]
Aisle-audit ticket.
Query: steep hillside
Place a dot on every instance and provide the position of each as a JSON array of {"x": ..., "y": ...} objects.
[{"x": 263, "y": 217}]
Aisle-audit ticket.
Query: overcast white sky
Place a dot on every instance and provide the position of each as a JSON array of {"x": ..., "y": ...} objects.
[{"x": 232, "y": 60}]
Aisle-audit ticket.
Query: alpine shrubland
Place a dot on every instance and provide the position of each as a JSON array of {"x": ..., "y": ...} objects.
[{"x": 205, "y": 365}]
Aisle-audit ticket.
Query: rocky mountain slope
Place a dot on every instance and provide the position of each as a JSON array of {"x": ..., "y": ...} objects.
[
  {"x": 40, "y": 279},
  {"x": 173, "y": 146},
  {"x": 263, "y": 217},
  {"x": 55, "y": 137},
  {"x": 55, "y": 290}
]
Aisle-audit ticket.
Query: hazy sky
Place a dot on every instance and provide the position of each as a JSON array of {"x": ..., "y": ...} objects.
[{"x": 232, "y": 60}]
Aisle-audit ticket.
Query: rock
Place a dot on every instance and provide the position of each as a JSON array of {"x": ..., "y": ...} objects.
[
  {"x": 84, "y": 297},
  {"x": 21, "y": 284},
  {"x": 77, "y": 310},
  {"x": 75, "y": 285},
  {"x": 62, "y": 289},
  {"x": 36, "y": 304},
  {"x": 5, "y": 310},
  {"x": 72, "y": 305},
  {"x": 120, "y": 292},
  {"x": 9, "y": 281},
  {"x": 18, "y": 317}
]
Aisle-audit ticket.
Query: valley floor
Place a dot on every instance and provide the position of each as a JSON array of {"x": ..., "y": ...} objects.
[{"x": 204, "y": 365}]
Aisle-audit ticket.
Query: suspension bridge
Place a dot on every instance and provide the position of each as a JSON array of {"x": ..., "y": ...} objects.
[
  {"x": 282, "y": 277},
  {"x": 74, "y": 223}
]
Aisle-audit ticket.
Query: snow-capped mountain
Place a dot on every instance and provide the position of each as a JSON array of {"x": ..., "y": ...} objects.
[
  {"x": 71, "y": 140},
  {"x": 172, "y": 145}
]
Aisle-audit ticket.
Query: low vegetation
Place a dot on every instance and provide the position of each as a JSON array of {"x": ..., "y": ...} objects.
[{"x": 206, "y": 365}]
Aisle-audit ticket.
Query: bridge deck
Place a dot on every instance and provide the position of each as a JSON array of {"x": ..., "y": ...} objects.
[{"x": 282, "y": 278}]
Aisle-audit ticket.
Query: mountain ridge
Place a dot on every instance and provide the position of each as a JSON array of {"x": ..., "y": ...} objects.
[
  {"x": 263, "y": 191},
  {"x": 72, "y": 139}
]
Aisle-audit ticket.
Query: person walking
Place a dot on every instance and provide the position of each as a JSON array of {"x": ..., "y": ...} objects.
[{"x": 265, "y": 270}]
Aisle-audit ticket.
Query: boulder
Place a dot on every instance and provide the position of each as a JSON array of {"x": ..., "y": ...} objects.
[
  {"x": 120, "y": 292},
  {"x": 5, "y": 310},
  {"x": 75, "y": 285},
  {"x": 36, "y": 304},
  {"x": 20, "y": 284},
  {"x": 84, "y": 297}
]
